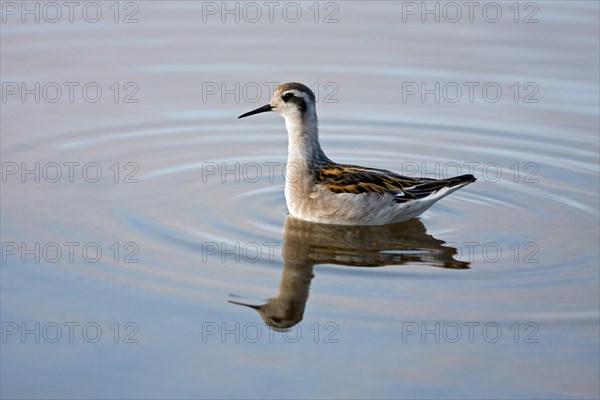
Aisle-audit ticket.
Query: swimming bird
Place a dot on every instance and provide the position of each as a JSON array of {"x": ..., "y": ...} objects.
[{"x": 320, "y": 190}]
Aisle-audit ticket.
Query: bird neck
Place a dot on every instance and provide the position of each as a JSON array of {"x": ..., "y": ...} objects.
[{"x": 304, "y": 149}]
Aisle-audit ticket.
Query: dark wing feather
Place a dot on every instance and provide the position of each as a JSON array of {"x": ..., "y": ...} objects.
[{"x": 340, "y": 178}]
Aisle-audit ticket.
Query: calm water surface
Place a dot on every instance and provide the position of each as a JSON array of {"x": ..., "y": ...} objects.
[{"x": 153, "y": 213}]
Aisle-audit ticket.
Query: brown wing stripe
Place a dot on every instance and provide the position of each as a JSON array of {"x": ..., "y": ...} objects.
[{"x": 340, "y": 178}]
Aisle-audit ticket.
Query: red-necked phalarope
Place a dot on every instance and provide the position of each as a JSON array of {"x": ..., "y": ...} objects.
[{"x": 320, "y": 190}]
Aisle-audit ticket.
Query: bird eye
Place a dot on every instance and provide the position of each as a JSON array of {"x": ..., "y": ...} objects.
[{"x": 287, "y": 96}]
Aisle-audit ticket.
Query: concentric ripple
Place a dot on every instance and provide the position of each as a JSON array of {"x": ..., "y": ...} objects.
[{"x": 209, "y": 197}]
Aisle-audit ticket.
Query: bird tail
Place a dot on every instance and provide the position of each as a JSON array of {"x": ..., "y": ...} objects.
[
  {"x": 445, "y": 186},
  {"x": 460, "y": 180}
]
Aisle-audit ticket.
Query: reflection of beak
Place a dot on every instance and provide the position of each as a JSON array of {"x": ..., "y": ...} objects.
[
  {"x": 265, "y": 108},
  {"x": 244, "y": 304},
  {"x": 235, "y": 299}
]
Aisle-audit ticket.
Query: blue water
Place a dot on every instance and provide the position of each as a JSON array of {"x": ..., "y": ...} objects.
[{"x": 152, "y": 209}]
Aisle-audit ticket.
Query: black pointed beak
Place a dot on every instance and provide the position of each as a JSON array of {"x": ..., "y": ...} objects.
[{"x": 265, "y": 108}]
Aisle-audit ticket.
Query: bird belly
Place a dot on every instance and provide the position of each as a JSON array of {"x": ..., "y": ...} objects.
[{"x": 324, "y": 206}]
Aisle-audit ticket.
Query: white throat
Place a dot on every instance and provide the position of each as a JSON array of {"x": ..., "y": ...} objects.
[{"x": 304, "y": 149}]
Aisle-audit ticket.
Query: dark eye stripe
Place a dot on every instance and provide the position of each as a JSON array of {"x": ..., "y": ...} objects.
[{"x": 300, "y": 103}]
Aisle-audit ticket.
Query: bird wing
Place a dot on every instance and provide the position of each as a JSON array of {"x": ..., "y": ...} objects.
[{"x": 340, "y": 178}]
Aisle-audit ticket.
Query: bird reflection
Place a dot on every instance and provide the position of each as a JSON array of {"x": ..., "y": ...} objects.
[{"x": 307, "y": 243}]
